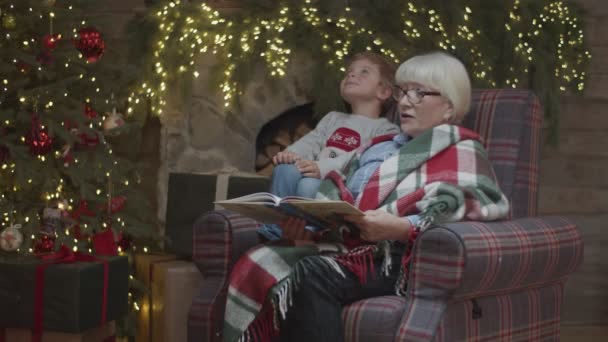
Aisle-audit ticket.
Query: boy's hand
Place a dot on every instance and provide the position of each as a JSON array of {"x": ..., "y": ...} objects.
[
  {"x": 294, "y": 229},
  {"x": 285, "y": 157},
  {"x": 308, "y": 168}
]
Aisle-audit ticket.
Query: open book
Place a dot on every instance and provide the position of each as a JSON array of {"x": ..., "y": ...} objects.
[{"x": 268, "y": 208}]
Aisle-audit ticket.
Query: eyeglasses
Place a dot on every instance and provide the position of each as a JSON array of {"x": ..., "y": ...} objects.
[{"x": 413, "y": 95}]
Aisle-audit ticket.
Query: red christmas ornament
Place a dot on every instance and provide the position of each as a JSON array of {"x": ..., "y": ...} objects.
[
  {"x": 45, "y": 58},
  {"x": 90, "y": 44},
  {"x": 44, "y": 244},
  {"x": 50, "y": 41},
  {"x": 116, "y": 204},
  {"x": 89, "y": 112},
  {"x": 87, "y": 140},
  {"x": 70, "y": 125},
  {"x": 38, "y": 139},
  {"x": 104, "y": 243},
  {"x": 82, "y": 209}
]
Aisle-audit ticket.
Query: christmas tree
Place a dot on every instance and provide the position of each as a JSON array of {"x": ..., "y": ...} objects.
[{"x": 61, "y": 183}]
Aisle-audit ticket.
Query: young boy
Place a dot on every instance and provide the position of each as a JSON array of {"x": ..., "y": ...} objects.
[{"x": 366, "y": 87}]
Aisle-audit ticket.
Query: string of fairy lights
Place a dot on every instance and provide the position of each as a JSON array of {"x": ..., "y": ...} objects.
[
  {"x": 38, "y": 99},
  {"x": 207, "y": 31}
]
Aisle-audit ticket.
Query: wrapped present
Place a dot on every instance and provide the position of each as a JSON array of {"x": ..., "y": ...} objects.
[
  {"x": 66, "y": 292},
  {"x": 174, "y": 286},
  {"x": 191, "y": 195},
  {"x": 103, "y": 333},
  {"x": 144, "y": 264}
]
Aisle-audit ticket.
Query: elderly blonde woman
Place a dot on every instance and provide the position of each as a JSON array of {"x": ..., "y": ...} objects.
[{"x": 434, "y": 170}]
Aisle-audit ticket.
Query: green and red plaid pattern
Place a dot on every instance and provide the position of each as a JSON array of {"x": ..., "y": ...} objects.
[
  {"x": 445, "y": 167},
  {"x": 497, "y": 264},
  {"x": 263, "y": 276},
  {"x": 514, "y": 269}
]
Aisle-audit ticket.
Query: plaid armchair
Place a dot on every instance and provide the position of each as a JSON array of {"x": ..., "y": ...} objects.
[{"x": 469, "y": 281}]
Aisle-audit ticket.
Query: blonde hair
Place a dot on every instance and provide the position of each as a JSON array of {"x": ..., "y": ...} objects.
[
  {"x": 443, "y": 72},
  {"x": 385, "y": 66}
]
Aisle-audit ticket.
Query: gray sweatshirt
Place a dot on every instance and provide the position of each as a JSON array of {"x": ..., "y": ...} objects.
[{"x": 336, "y": 137}]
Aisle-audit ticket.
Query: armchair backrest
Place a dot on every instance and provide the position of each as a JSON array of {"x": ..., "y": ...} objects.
[{"x": 510, "y": 122}]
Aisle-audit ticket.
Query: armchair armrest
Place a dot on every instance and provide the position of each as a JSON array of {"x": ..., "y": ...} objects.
[
  {"x": 471, "y": 259},
  {"x": 220, "y": 238}
]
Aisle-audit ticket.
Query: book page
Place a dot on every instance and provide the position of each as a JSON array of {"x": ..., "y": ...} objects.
[
  {"x": 258, "y": 197},
  {"x": 268, "y": 208},
  {"x": 328, "y": 211}
]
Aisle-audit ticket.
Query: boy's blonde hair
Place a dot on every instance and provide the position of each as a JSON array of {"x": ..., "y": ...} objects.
[
  {"x": 387, "y": 75},
  {"x": 386, "y": 67},
  {"x": 443, "y": 72}
]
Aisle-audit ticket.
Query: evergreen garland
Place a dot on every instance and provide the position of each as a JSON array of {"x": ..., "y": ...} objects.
[{"x": 529, "y": 44}]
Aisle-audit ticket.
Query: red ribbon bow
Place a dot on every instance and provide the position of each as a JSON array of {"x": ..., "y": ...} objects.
[{"x": 63, "y": 256}]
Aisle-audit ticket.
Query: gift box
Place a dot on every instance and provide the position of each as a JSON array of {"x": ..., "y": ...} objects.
[
  {"x": 103, "y": 333},
  {"x": 73, "y": 297},
  {"x": 174, "y": 286},
  {"x": 190, "y": 195},
  {"x": 144, "y": 265}
]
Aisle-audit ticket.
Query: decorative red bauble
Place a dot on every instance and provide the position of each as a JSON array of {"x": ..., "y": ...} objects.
[
  {"x": 90, "y": 44},
  {"x": 89, "y": 112},
  {"x": 87, "y": 140},
  {"x": 70, "y": 125},
  {"x": 104, "y": 243},
  {"x": 116, "y": 204},
  {"x": 44, "y": 244},
  {"x": 38, "y": 139},
  {"x": 82, "y": 209},
  {"x": 45, "y": 58},
  {"x": 50, "y": 41}
]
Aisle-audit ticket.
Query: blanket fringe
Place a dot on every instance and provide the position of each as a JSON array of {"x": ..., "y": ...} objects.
[
  {"x": 387, "y": 261},
  {"x": 283, "y": 300},
  {"x": 263, "y": 328},
  {"x": 359, "y": 261},
  {"x": 401, "y": 284}
]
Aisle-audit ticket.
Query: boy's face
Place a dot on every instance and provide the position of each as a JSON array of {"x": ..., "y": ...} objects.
[{"x": 362, "y": 82}]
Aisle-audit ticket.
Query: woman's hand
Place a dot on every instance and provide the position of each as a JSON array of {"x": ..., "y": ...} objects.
[
  {"x": 294, "y": 229},
  {"x": 378, "y": 225},
  {"x": 285, "y": 157},
  {"x": 308, "y": 168}
]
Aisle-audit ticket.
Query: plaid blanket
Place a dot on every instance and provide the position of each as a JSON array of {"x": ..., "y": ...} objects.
[
  {"x": 444, "y": 167},
  {"x": 443, "y": 174}
]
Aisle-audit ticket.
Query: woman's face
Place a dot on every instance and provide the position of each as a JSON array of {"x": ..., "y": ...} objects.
[{"x": 431, "y": 111}]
